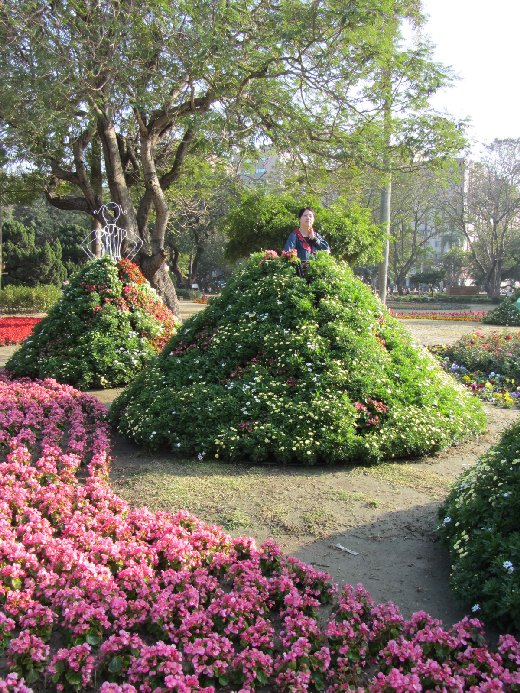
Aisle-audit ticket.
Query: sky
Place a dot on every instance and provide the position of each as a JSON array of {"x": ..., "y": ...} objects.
[{"x": 479, "y": 40}]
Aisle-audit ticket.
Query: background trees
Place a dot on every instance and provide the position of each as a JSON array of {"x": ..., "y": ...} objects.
[
  {"x": 139, "y": 103},
  {"x": 486, "y": 210},
  {"x": 417, "y": 217},
  {"x": 110, "y": 99},
  {"x": 29, "y": 263},
  {"x": 264, "y": 220}
]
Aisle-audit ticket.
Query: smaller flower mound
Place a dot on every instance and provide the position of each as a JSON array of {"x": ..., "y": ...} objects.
[
  {"x": 507, "y": 313},
  {"x": 105, "y": 328},
  {"x": 14, "y": 330},
  {"x": 483, "y": 535}
]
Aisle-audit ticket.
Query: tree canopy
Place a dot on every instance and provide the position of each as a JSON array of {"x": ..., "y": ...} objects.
[
  {"x": 264, "y": 220},
  {"x": 109, "y": 99},
  {"x": 486, "y": 211}
]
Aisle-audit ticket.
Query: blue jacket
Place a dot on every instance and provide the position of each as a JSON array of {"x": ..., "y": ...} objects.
[{"x": 304, "y": 255}]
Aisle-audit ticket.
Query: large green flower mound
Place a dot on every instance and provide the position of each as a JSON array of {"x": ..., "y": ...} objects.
[
  {"x": 108, "y": 324},
  {"x": 288, "y": 368},
  {"x": 506, "y": 313},
  {"x": 479, "y": 523}
]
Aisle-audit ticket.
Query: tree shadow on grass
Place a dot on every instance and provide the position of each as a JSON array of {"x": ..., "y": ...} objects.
[{"x": 385, "y": 519}]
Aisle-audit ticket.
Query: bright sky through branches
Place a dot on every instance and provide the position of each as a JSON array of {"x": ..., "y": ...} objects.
[{"x": 479, "y": 40}]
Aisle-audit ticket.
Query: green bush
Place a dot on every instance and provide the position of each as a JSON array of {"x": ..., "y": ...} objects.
[
  {"x": 29, "y": 260},
  {"x": 479, "y": 524},
  {"x": 265, "y": 220},
  {"x": 507, "y": 313},
  {"x": 308, "y": 370},
  {"x": 107, "y": 325},
  {"x": 28, "y": 299},
  {"x": 187, "y": 294}
]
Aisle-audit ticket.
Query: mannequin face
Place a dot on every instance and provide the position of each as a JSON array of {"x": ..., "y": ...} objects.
[{"x": 306, "y": 220}]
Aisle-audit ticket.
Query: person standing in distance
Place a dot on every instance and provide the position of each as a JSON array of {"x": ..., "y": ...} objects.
[{"x": 304, "y": 239}]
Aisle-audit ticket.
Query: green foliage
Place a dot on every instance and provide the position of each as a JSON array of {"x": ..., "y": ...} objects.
[
  {"x": 264, "y": 220},
  {"x": 28, "y": 299},
  {"x": 432, "y": 277},
  {"x": 103, "y": 330},
  {"x": 187, "y": 294},
  {"x": 26, "y": 261},
  {"x": 479, "y": 524},
  {"x": 507, "y": 313},
  {"x": 308, "y": 370}
]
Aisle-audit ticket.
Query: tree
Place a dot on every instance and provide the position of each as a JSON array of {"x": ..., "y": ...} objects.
[
  {"x": 111, "y": 97},
  {"x": 456, "y": 262},
  {"x": 433, "y": 277},
  {"x": 264, "y": 221},
  {"x": 400, "y": 132},
  {"x": 199, "y": 203},
  {"x": 486, "y": 209},
  {"x": 416, "y": 219},
  {"x": 27, "y": 263}
]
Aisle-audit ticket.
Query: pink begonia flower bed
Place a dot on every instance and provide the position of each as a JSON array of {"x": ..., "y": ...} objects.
[{"x": 96, "y": 595}]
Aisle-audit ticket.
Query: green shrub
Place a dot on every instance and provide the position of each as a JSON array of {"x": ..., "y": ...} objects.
[
  {"x": 107, "y": 325},
  {"x": 187, "y": 294},
  {"x": 507, "y": 313},
  {"x": 308, "y": 370},
  {"x": 479, "y": 524},
  {"x": 28, "y": 299}
]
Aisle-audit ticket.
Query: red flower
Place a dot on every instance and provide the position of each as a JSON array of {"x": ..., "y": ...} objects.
[{"x": 15, "y": 330}]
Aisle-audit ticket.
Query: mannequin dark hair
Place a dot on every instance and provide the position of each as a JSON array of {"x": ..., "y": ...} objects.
[{"x": 305, "y": 209}]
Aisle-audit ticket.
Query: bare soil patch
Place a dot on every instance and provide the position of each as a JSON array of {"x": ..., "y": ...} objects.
[{"x": 374, "y": 525}]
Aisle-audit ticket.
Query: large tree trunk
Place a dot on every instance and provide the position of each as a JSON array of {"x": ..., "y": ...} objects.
[
  {"x": 194, "y": 264},
  {"x": 493, "y": 280},
  {"x": 153, "y": 265},
  {"x": 174, "y": 264},
  {"x": 162, "y": 283}
]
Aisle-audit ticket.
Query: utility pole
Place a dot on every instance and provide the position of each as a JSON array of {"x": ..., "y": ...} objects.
[
  {"x": 386, "y": 191},
  {"x": 386, "y": 198}
]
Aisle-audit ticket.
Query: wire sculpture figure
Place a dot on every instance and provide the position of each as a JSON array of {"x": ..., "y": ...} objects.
[{"x": 111, "y": 240}]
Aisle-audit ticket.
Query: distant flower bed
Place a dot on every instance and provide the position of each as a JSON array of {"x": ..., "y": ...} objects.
[
  {"x": 15, "y": 330},
  {"x": 204, "y": 299},
  {"x": 460, "y": 315},
  {"x": 97, "y": 595},
  {"x": 487, "y": 364}
]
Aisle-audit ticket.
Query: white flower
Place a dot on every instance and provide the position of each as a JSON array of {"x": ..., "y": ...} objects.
[
  {"x": 446, "y": 520},
  {"x": 200, "y": 456},
  {"x": 475, "y": 607},
  {"x": 508, "y": 566}
]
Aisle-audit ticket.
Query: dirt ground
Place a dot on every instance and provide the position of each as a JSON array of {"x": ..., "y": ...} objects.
[{"x": 374, "y": 525}]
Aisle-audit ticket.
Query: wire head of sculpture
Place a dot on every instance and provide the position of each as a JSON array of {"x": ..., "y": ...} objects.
[{"x": 111, "y": 239}]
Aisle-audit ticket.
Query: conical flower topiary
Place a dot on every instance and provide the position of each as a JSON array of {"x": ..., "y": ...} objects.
[
  {"x": 506, "y": 313},
  {"x": 107, "y": 325},
  {"x": 292, "y": 369}
]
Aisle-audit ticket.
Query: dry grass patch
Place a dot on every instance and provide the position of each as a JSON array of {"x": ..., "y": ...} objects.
[{"x": 411, "y": 475}]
